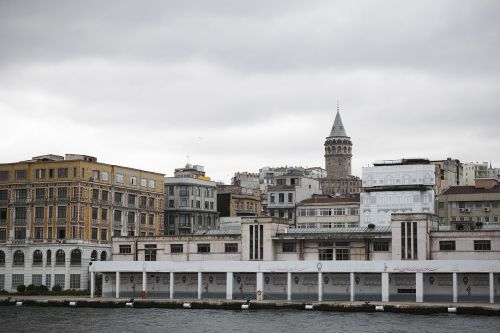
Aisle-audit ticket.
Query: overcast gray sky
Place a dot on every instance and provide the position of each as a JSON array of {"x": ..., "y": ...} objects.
[{"x": 238, "y": 85}]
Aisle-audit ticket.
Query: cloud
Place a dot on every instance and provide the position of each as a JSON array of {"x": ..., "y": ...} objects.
[{"x": 240, "y": 85}]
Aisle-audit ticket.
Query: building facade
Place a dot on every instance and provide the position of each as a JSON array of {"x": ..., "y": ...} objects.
[
  {"x": 190, "y": 202},
  {"x": 398, "y": 186},
  {"x": 234, "y": 200},
  {"x": 58, "y": 213},
  {"x": 246, "y": 180},
  {"x": 449, "y": 172},
  {"x": 326, "y": 211},
  {"x": 470, "y": 207},
  {"x": 290, "y": 189}
]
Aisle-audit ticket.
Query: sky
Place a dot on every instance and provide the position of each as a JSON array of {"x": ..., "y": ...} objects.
[{"x": 238, "y": 85}]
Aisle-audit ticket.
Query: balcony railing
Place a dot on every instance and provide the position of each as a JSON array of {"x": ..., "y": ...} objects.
[
  {"x": 20, "y": 200},
  {"x": 95, "y": 221},
  {"x": 61, "y": 220},
  {"x": 19, "y": 221},
  {"x": 4, "y": 202},
  {"x": 39, "y": 200},
  {"x": 39, "y": 220}
]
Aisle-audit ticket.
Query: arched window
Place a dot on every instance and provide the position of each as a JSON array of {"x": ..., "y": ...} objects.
[
  {"x": 60, "y": 258},
  {"x": 37, "y": 258},
  {"x": 19, "y": 258},
  {"x": 2, "y": 258},
  {"x": 49, "y": 257},
  {"x": 103, "y": 255},
  {"x": 93, "y": 256},
  {"x": 76, "y": 257}
]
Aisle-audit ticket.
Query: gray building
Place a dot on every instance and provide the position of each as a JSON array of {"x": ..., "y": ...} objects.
[{"x": 190, "y": 202}]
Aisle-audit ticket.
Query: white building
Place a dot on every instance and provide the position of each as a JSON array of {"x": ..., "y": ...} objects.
[
  {"x": 401, "y": 186},
  {"x": 326, "y": 211},
  {"x": 290, "y": 189}
]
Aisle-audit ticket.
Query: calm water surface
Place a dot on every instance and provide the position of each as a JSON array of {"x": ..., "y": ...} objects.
[{"x": 41, "y": 319}]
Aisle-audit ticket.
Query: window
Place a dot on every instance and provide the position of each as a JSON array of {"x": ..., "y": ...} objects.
[
  {"x": 342, "y": 254},
  {"x": 74, "y": 281},
  {"x": 150, "y": 252},
  {"x": 17, "y": 280},
  {"x": 36, "y": 279},
  {"x": 18, "y": 258},
  {"x": 21, "y": 174},
  {"x": 272, "y": 198},
  {"x": 93, "y": 255},
  {"x": 325, "y": 254},
  {"x": 290, "y": 197},
  {"x": 289, "y": 247},
  {"x": 61, "y": 233},
  {"x": 2, "y": 258},
  {"x": 51, "y": 173},
  {"x": 143, "y": 182},
  {"x": 59, "y": 279},
  {"x": 203, "y": 248},
  {"x": 143, "y": 218},
  {"x": 231, "y": 247},
  {"x": 3, "y": 234},
  {"x": 60, "y": 258},
  {"x": 482, "y": 245},
  {"x": 281, "y": 197},
  {"x": 39, "y": 212},
  {"x": 40, "y": 173},
  {"x": 151, "y": 183},
  {"x": 447, "y": 245},
  {"x": 183, "y": 202},
  {"x": 125, "y": 249},
  {"x": 104, "y": 214},
  {"x": 4, "y": 175},
  {"x": 19, "y": 233},
  {"x": 37, "y": 258},
  {"x": 151, "y": 219},
  {"x": 104, "y": 256},
  {"x": 380, "y": 246},
  {"x": 4, "y": 195},
  {"x": 38, "y": 233},
  {"x": 131, "y": 199},
  {"x": 62, "y": 172},
  {"x": 95, "y": 213},
  {"x": 171, "y": 204},
  {"x": 20, "y": 213},
  {"x": 117, "y": 216},
  {"x": 76, "y": 257},
  {"x": 176, "y": 248},
  {"x": 105, "y": 196},
  {"x": 49, "y": 257},
  {"x": 48, "y": 280},
  {"x": 133, "y": 180},
  {"x": 95, "y": 231},
  {"x": 118, "y": 198},
  {"x": 119, "y": 178},
  {"x": 104, "y": 176}
]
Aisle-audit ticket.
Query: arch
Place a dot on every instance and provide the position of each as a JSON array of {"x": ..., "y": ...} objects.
[
  {"x": 49, "y": 257},
  {"x": 93, "y": 256},
  {"x": 37, "y": 258},
  {"x": 76, "y": 257},
  {"x": 19, "y": 258},
  {"x": 60, "y": 258},
  {"x": 345, "y": 150},
  {"x": 2, "y": 258},
  {"x": 104, "y": 256}
]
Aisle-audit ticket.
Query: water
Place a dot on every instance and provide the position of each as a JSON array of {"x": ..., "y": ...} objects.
[{"x": 46, "y": 319}]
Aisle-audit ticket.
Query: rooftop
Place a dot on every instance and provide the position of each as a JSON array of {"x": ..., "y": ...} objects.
[{"x": 326, "y": 199}]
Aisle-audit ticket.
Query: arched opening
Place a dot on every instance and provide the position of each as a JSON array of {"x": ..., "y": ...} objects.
[
  {"x": 103, "y": 255},
  {"x": 49, "y": 257},
  {"x": 60, "y": 258},
  {"x": 19, "y": 258},
  {"x": 76, "y": 257},
  {"x": 37, "y": 258},
  {"x": 93, "y": 256}
]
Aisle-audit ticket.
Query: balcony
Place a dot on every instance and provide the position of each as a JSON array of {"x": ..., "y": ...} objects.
[
  {"x": 4, "y": 202},
  {"x": 18, "y": 242},
  {"x": 20, "y": 221},
  {"x": 62, "y": 199},
  {"x": 95, "y": 221},
  {"x": 104, "y": 202},
  {"x": 61, "y": 220},
  {"x": 39, "y": 200},
  {"x": 75, "y": 198},
  {"x": 39, "y": 220},
  {"x": 21, "y": 200}
]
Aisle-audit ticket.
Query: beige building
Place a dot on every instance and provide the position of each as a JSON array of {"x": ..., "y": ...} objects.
[
  {"x": 326, "y": 211},
  {"x": 234, "y": 200},
  {"x": 57, "y": 213},
  {"x": 470, "y": 206}
]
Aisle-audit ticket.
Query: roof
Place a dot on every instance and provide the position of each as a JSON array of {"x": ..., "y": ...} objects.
[
  {"x": 326, "y": 199},
  {"x": 217, "y": 232},
  {"x": 338, "y": 129},
  {"x": 300, "y": 231},
  {"x": 470, "y": 190}
]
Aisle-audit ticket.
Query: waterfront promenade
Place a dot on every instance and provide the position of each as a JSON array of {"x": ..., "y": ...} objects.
[{"x": 223, "y": 304}]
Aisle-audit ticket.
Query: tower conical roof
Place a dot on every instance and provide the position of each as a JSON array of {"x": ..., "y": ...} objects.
[{"x": 338, "y": 128}]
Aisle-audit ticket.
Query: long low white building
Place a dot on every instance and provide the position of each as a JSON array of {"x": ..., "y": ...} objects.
[{"x": 420, "y": 281}]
